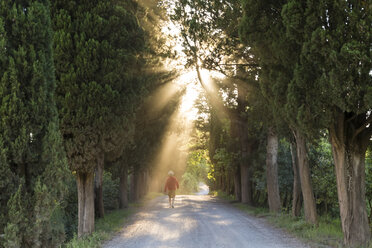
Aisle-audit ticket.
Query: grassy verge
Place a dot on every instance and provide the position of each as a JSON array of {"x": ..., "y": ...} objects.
[
  {"x": 327, "y": 233},
  {"x": 107, "y": 227}
]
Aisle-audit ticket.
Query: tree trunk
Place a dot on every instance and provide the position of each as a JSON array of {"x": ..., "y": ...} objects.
[
  {"x": 223, "y": 180},
  {"x": 285, "y": 201},
  {"x": 132, "y": 195},
  {"x": 85, "y": 203},
  {"x": 307, "y": 189},
  {"x": 123, "y": 188},
  {"x": 140, "y": 184},
  {"x": 135, "y": 183},
  {"x": 147, "y": 185},
  {"x": 272, "y": 171},
  {"x": 257, "y": 196},
  {"x": 348, "y": 149},
  {"x": 246, "y": 184},
  {"x": 237, "y": 186},
  {"x": 245, "y": 171},
  {"x": 98, "y": 182},
  {"x": 144, "y": 183},
  {"x": 296, "y": 201}
]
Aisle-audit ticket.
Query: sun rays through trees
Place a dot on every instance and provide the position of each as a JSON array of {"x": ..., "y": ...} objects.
[{"x": 266, "y": 101}]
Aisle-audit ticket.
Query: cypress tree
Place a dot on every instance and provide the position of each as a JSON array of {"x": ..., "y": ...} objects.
[
  {"x": 32, "y": 160},
  {"x": 96, "y": 46},
  {"x": 263, "y": 30},
  {"x": 322, "y": 49},
  {"x": 332, "y": 85}
]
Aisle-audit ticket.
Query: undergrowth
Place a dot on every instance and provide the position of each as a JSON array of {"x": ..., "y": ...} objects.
[{"x": 108, "y": 226}]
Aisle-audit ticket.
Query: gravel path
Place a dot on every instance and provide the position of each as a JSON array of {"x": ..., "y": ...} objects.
[{"x": 198, "y": 221}]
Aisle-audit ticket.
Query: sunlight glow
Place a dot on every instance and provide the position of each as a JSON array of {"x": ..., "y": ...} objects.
[
  {"x": 161, "y": 231},
  {"x": 175, "y": 143},
  {"x": 193, "y": 89}
]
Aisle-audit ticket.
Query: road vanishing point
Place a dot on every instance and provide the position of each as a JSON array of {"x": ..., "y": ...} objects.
[{"x": 198, "y": 221}]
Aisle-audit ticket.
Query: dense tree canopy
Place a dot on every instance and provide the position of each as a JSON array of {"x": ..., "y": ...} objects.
[
  {"x": 33, "y": 163},
  {"x": 284, "y": 109},
  {"x": 316, "y": 65}
]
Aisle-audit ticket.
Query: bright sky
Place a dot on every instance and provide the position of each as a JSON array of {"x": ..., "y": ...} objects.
[{"x": 193, "y": 89}]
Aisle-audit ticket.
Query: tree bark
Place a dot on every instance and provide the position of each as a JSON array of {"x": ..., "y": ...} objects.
[
  {"x": 123, "y": 188},
  {"x": 237, "y": 185},
  {"x": 132, "y": 195},
  {"x": 139, "y": 184},
  {"x": 143, "y": 188},
  {"x": 272, "y": 171},
  {"x": 136, "y": 185},
  {"x": 98, "y": 182},
  {"x": 246, "y": 182},
  {"x": 223, "y": 180},
  {"x": 306, "y": 186},
  {"x": 246, "y": 149},
  {"x": 348, "y": 149},
  {"x": 146, "y": 182},
  {"x": 85, "y": 203},
  {"x": 296, "y": 201}
]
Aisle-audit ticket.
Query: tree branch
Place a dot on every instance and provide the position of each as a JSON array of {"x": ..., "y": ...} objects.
[
  {"x": 363, "y": 126},
  {"x": 249, "y": 64}
]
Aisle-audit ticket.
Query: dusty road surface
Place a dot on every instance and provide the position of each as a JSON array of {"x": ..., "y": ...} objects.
[{"x": 198, "y": 221}]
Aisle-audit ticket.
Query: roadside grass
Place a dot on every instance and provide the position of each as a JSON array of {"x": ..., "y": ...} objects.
[
  {"x": 107, "y": 227},
  {"x": 327, "y": 233},
  {"x": 222, "y": 195}
]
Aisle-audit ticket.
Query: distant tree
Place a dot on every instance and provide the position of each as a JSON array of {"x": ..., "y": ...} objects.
[
  {"x": 33, "y": 165},
  {"x": 202, "y": 25}
]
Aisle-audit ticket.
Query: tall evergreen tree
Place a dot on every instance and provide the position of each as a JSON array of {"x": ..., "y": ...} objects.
[
  {"x": 32, "y": 160},
  {"x": 263, "y": 30},
  {"x": 331, "y": 88},
  {"x": 96, "y": 46}
]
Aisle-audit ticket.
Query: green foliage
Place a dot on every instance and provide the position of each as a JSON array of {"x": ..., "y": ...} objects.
[
  {"x": 334, "y": 69},
  {"x": 197, "y": 168},
  {"x": 96, "y": 46},
  {"x": 189, "y": 183},
  {"x": 110, "y": 191},
  {"x": 7, "y": 185},
  {"x": 223, "y": 195},
  {"x": 225, "y": 160},
  {"x": 32, "y": 156},
  {"x": 198, "y": 164},
  {"x": 70, "y": 216},
  {"x": 105, "y": 228},
  {"x": 209, "y": 32},
  {"x": 17, "y": 221},
  {"x": 315, "y": 68},
  {"x": 328, "y": 231},
  {"x": 285, "y": 173},
  {"x": 324, "y": 178}
]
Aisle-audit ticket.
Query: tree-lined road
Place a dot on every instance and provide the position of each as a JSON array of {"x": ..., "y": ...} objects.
[{"x": 198, "y": 221}]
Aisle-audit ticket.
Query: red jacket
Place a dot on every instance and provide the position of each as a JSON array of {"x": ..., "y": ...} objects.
[{"x": 171, "y": 184}]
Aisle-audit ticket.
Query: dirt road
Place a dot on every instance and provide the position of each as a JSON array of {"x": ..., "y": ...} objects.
[{"x": 198, "y": 221}]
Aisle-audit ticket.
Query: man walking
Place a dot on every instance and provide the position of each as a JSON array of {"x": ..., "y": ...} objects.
[{"x": 171, "y": 185}]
